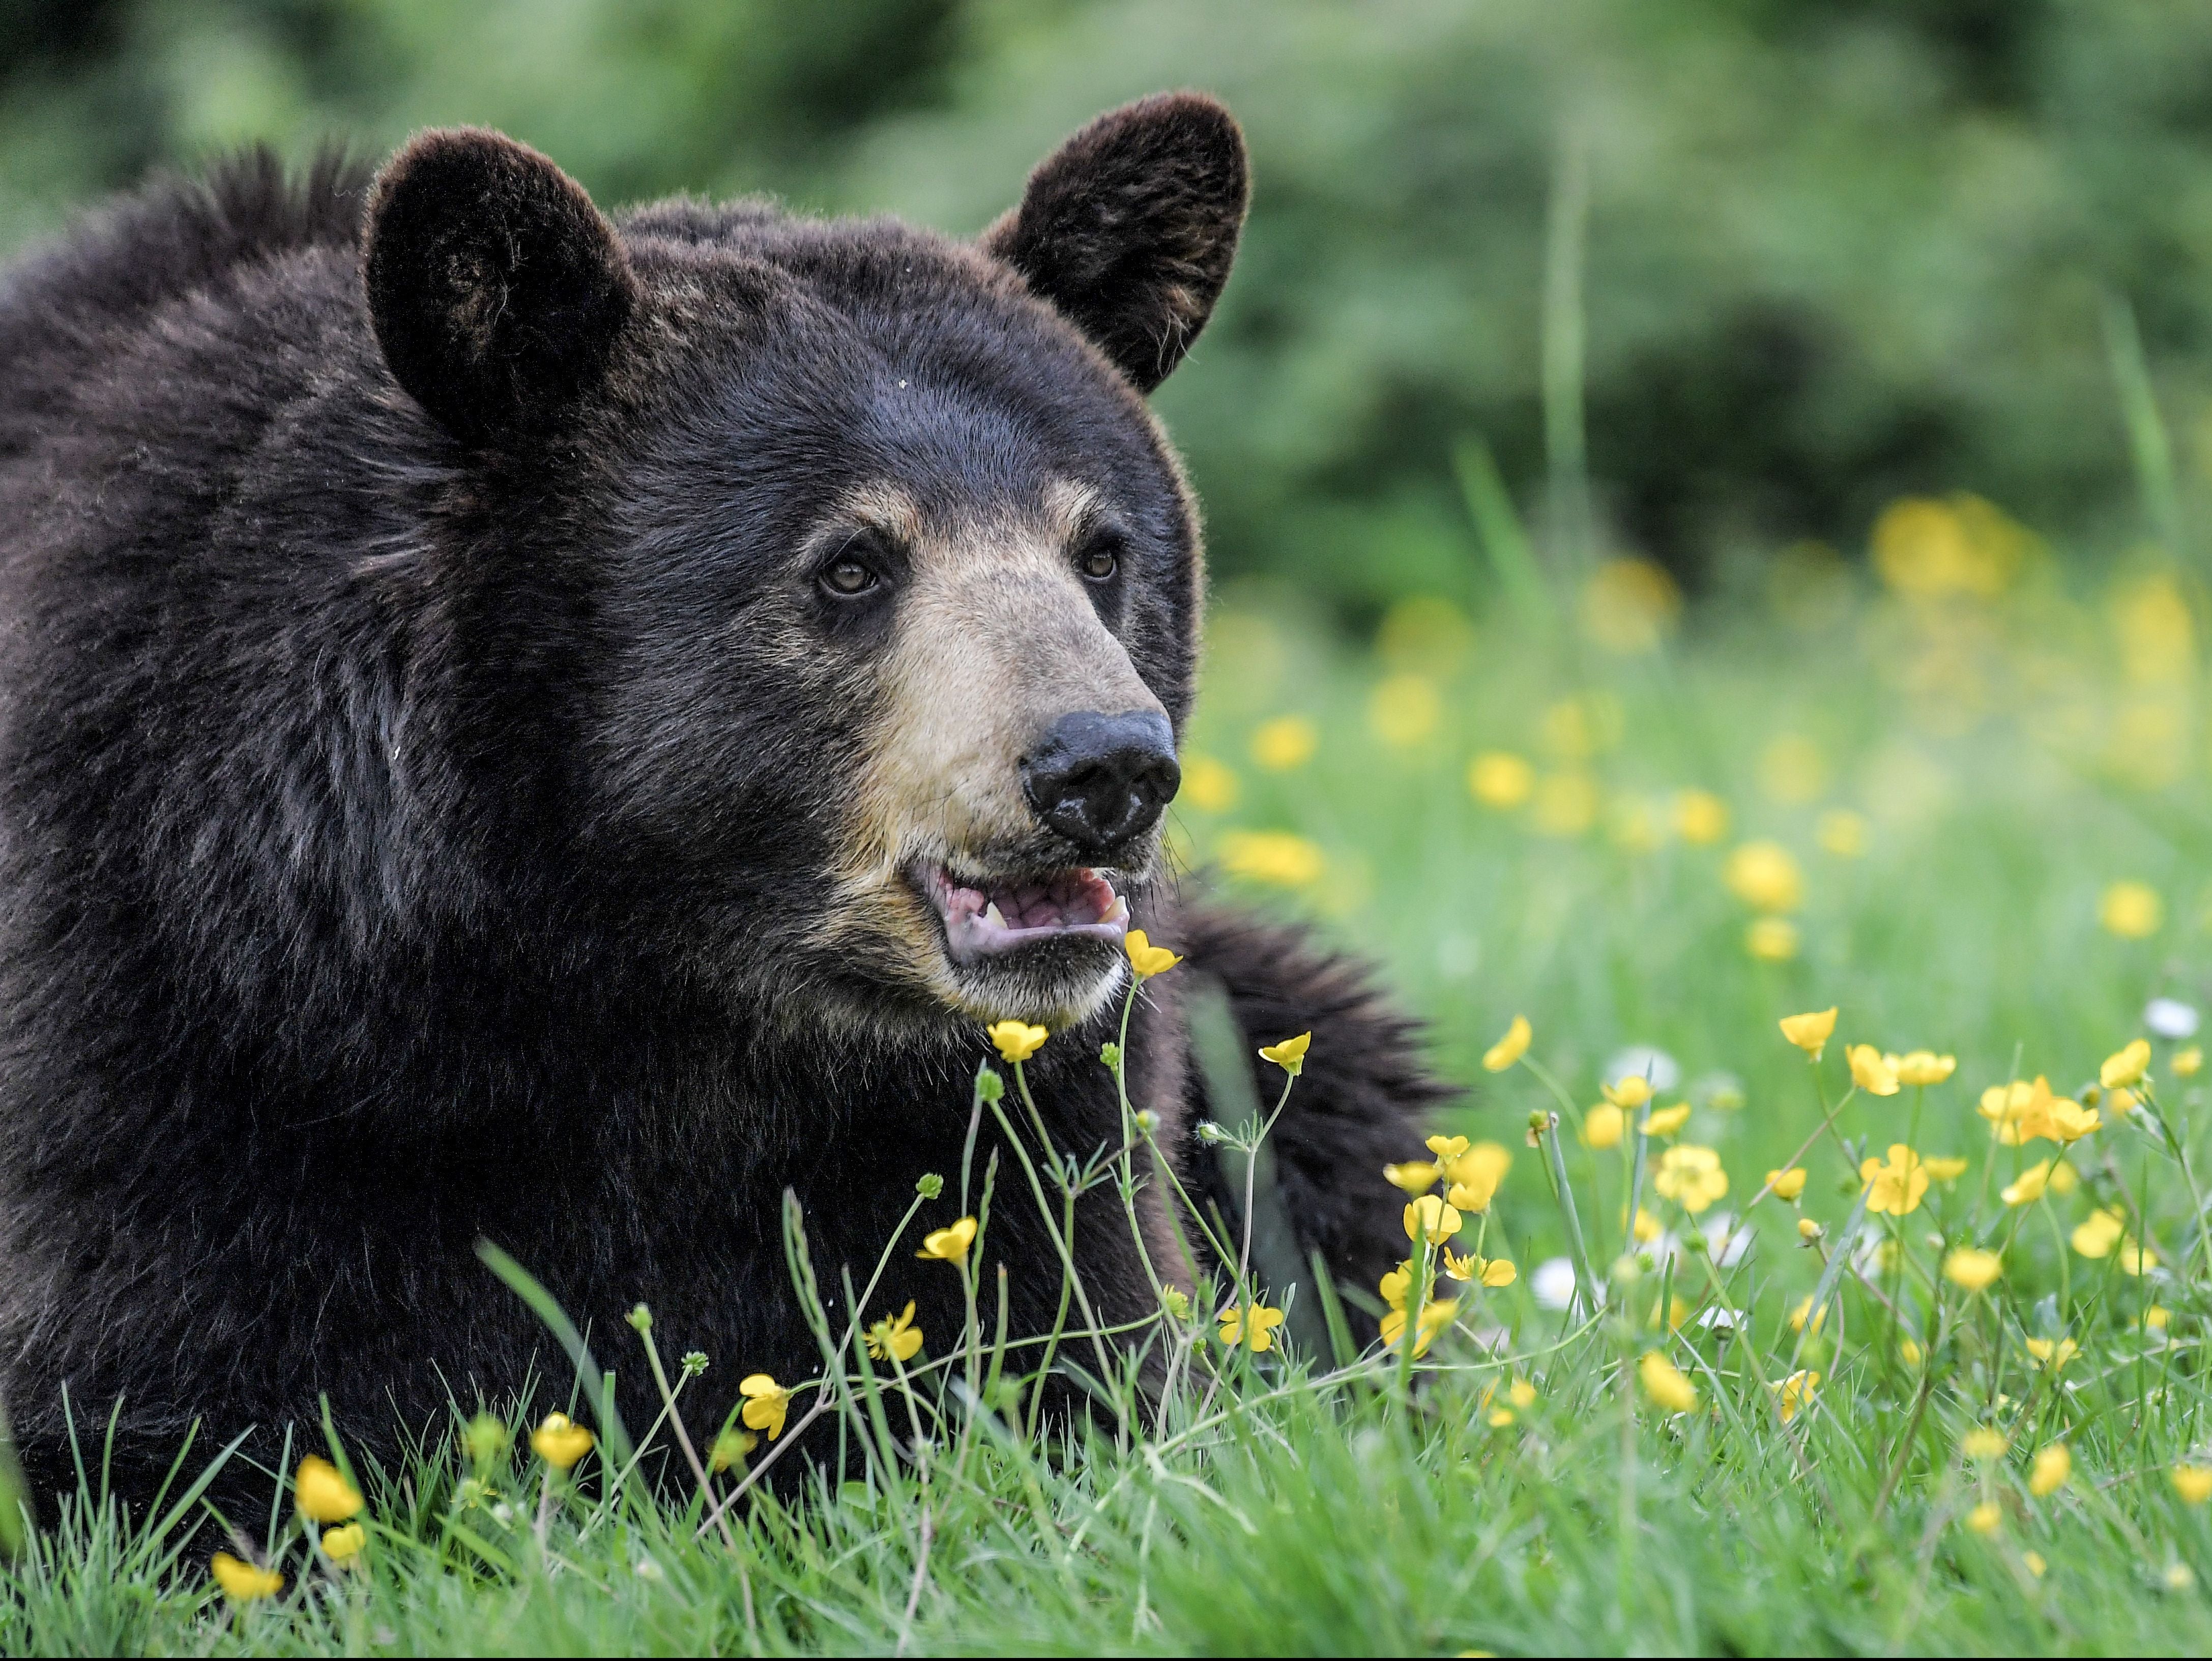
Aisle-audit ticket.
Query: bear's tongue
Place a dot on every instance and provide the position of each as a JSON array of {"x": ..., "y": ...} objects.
[{"x": 984, "y": 922}]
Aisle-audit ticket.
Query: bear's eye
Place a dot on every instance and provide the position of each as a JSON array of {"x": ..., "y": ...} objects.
[
  {"x": 849, "y": 577},
  {"x": 1100, "y": 560}
]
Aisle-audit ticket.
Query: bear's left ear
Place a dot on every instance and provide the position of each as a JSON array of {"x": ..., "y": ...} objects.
[
  {"x": 1130, "y": 227},
  {"x": 496, "y": 288}
]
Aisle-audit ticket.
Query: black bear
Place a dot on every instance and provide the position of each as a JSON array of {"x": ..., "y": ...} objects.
[{"x": 526, "y": 726}]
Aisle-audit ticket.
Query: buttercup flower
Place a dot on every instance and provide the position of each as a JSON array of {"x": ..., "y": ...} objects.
[
  {"x": 1286, "y": 742},
  {"x": 1468, "y": 1196},
  {"x": 1772, "y": 940},
  {"x": 341, "y": 1543},
  {"x": 243, "y": 1582},
  {"x": 1691, "y": 1175},
  {"x": 895, "y": 1335},
  {"x": 1499, "y": 779},
  {"x": 2053, "y": 1466},
  {"x": 321, "y": 1494},
  {"x": 1431, "y": 1218},
  {"x": 1482, "y": 1167},
  {"x": 2053, "y": 1354},
  {"x": 1290, "y": 1055},
  {"x": 1447, "y": 1149},
  {"x": 1666, "y": 1121},
  {"x": 1787, "y": 1184},
  {"x": 2192, "y": 1483},
  {"x": 1794, "y": 1392},
  {"x": 1018, "y": 1040},
  {"x": 1415, "y": 1176},
  {"x": 2186, "y": 1063},
  {"x": 2132, "y": 910},
  {"x": 1279, "y": 857},
  {"x": 1944, "y": 1170},
  {"x": 1254, "y": 1327},
  {"x": 1871, "y": 1071},
  {"x": 1802, "y": 1308},
  {"x": 1898, "y": 1184},
  {"x": 1764, "y": 875},
  {"x": 1508, "y": 1049},
  {"x": 1145, "y": 959},
  {"x": 1842, "y": 832},
  {"x": 1435, "y": 1319},
  {"x": 730, "y": 1447},
  {"x": 1664, "y": 1383},
  {"x": 1983, "y": 1443},
  {"x": 2028, "y": 1186},
  {"x": 2125, "y": 1066},
  {"x": 950, "y": 1243},
  {"x": 1490, "y": 1271},
  {"x": 1700, "y": 818},
  {"x": 1972, "y": 1267},
  {"x": 1921, "y": 1066},
  {"x": 2102, "y": 1231},
  {"x": 1807, "y": 1229},
  {"x": 1603, "y": 1126},
  {"x": 1810, "y": 1032},
  {"x": 1631, "y": 1092},
  {"x": 1984, "y": 1518},
  {"x": 560, "y": 1442},
  {"x": 766, "y": 1403}
]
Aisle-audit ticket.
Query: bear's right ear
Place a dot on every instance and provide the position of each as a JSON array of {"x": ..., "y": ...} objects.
[
  {"x": 496, "y": 288},
  {"x": 1130, "y": 227}
]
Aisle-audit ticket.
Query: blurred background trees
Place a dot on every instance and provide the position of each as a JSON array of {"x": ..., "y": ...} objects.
[{"x": 1786, "y": 260}]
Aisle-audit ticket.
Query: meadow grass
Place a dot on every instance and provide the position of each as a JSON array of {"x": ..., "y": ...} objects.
[{"x": 1965, "y": 804}]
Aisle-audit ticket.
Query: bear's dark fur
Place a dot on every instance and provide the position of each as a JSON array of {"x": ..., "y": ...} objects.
[{"x": 424, "y": 757}]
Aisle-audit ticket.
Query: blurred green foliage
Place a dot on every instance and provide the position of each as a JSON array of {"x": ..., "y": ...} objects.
[{"x": 1835, "y": 250}]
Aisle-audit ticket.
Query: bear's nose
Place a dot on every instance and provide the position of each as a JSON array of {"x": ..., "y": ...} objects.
[{"x": 1102, "y": 781}]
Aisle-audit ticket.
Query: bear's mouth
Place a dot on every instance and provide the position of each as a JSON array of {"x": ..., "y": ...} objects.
[{"x": 987, "y": 917}]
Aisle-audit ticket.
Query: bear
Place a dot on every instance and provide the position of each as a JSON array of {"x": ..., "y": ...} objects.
[{"x": 524, "y": 726}]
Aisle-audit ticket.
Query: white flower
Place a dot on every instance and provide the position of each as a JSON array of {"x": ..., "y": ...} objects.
[
  {"x": 1725, "y": 1240},
  {"x": 1553, "y": 1283},
  {"x": 1645, "y": 1061},
  {"x": 2169, "y": 1018},
  {"x": 1717, "y": 1319}
]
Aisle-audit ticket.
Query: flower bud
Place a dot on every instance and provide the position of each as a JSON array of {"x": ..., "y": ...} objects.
[
  {"x": 929, "y": 1185},
  {"x": 641, "y": 1318}
]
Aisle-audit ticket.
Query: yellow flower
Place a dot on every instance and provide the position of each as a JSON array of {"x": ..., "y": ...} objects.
[
  {"x": 1566, "y": 804},
  {"x": 1908, "y": 1350},
  {"x": 1177, "y": 1302},
  {"x": 1802, "y": 1308},
  {"x": 1842, "y": 833},
  {"x": 1508, "y": 1049},
  {"x": 1795, "y": 1392},
  {"x": 766, "y": 1403},
  {"x": 1772, "y": 940},
  {"x": 1397, "y": 1283},
  {"x": 1432, "y": 1218},
  {"x": 2134, "y": 1259},
  {"x": 2053, "y": 1354},
  {"x": 2126, "y": 1066},
  {"x": 1647, "y": 1227},
  {"x": 1018, "y": 1040},
  {"x": 559, "y": 1442},
  {"x": 1973, "y": 1268},
  {"x": 1435, "y": 1319},
  {"x": 341, "y": 1543},
  {"x": 321, "y": 1494},
  {"x": 2132, "y": 910},
  {"x": 1807, "y": 1229},
  {"x": 1764, "y": 875},
  {"x": 1208, "y": 785},
  {"x": 1666, "y": 1121},
  {"x": 730, "y": 1447},
  {"x": 1447, "y": 1149},
  {"x": 1286, "y": 742},
  {"x": 894, "y": 1336},
  {"x": 2035, "y": 1564},
  {"x": 1415, "y": 1176},
  {"x": 2187, "y": 1062},
  {"x": 1982, "y": 1443},
  {"x": 1700, "y": 818},
  {"x": 1898, "y": 1185},
  {"x": 2028, "y": 1187},
  {"x": 2064, "y": 1180},
  {"x": 1944, "y": 1169},
  {"x": 2023, "y": 1112},
  {"x": 1279, "y": 857},
  {"x": 1522, "y": 1393},
  {"x": 2192, "y": 1483},
  {"x": 1290, "y": 1055},
  {"x": 2102, "y": 1231},
  {"x": 1258, "y": 1330},
  {"x": 1691, "y": 1175},
  {"x": 1482, "y": 1166},
  {"x": 1490, "y": 1271},
  {"x": 2048, "y": 1474},
  {"x": 1499, "y": 779},
  {"x": 1871, "y": 1071},
  {"x": 1810, "y": 1032},
  {"x": 1602, "y": 1125},
  {"x": 1459, "y": 1267},
  {"x": 949, "y": 1245},
  {"x": 1146, "y": 958},
  {"x": 243, "y": 1582},
  {"x": 1470, "y": 1196},
  {"x": 1403, "y": 709},
  {"x": 1921, "y": 1066},
  {"x": 1631, "y": 1092},
  {"x": 1984, "y": 1518},
  {"x": 2154, "y": 1320},
  {"x": 1664, "y": 1383}
]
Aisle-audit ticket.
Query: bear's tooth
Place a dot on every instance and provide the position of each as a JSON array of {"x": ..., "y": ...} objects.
[
  {"x": 992, "y": 915},
  {"x": 1118, "y": 912}
]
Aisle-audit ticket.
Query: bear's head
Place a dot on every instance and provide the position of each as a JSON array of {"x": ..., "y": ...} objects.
[{"x": 826, "y": 594}]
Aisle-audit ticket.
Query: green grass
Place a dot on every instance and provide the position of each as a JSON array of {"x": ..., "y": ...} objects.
[{"x": 2012, "y": 756}]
